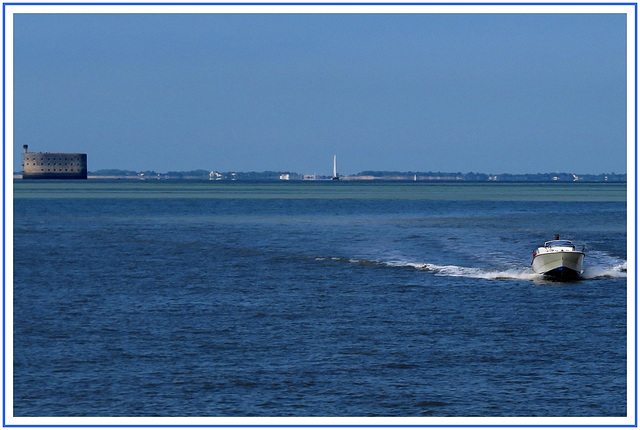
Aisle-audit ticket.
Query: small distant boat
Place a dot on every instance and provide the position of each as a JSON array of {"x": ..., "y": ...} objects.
[
  {"x": 558, "y": 259},
  {"x": 335, "y": 176}
]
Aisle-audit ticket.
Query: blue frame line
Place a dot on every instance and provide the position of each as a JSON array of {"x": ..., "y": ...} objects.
[
  {"x": 4, "y": 223},
  {"x": 4, "y": 185},
  {"x": 636, "y": 213},
  {"x": 322, "y": 426},
  {"x": 323, "y": 4}
]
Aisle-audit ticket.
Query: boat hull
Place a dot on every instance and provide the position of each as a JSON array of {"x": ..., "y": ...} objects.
[{"x": 559, "y": 264}]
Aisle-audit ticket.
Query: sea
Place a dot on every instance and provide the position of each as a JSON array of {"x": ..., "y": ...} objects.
[{"x": 316, "y": 299}]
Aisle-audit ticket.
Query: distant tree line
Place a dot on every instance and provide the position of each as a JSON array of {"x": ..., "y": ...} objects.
[
  {"x": 371, "y": 174},
  {"x": 194, "y": 174},
  {"x": 502, "y": 177}
]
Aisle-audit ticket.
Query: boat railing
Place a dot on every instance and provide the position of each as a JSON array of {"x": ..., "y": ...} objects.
[{"x": 565, "y": 244}]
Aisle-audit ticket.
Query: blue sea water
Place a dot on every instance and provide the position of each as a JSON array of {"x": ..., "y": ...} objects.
[{"x": 186, "y": 298}]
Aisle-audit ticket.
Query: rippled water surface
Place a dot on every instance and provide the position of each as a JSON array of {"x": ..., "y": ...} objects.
[{"x": 315, "y": 299}]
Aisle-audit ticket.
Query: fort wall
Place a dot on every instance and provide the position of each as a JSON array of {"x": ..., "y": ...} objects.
[{"x": 53, "y": 165}]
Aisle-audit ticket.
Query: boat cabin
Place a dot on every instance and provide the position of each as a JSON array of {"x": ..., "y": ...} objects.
[{"x": 563, "y": 243}]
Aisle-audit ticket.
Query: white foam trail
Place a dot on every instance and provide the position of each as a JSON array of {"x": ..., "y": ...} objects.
[
  {"x": 599, "y": 264},
  {"x": 617, "y": 271},
  {"x": 600, "y": 271},
  {"x": 471, "y": 272}
]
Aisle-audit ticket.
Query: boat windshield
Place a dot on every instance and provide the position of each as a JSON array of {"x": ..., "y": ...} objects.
[{"x": 559, "y": 243}]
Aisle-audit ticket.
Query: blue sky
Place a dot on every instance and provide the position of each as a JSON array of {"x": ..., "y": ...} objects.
[{"x": 492, "y": 93}]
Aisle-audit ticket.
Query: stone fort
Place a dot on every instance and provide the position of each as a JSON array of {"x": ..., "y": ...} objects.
[{"x": 53, "y": 165}]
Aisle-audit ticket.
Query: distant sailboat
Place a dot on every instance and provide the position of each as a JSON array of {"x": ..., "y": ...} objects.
[{"x": 335, "y": 176}]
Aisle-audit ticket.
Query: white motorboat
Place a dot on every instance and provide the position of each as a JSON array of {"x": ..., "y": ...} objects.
[{"x": 559, "y": 259}]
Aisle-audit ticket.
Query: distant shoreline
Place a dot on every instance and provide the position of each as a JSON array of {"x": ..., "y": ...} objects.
[{"x": 367, "y": 176}]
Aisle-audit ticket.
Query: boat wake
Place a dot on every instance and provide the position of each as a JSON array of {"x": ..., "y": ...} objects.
[
  {"x": 471, "y": 272},
  {"x": 603, "y": 265},
  {"x": 617, "y": 270}
]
